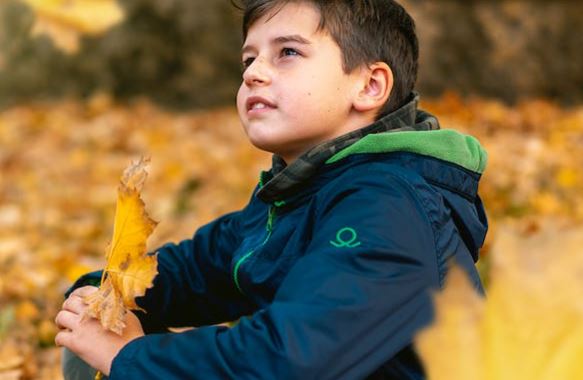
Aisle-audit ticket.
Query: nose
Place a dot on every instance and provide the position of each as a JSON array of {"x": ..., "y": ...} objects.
[{"x": 258, "y": 73}]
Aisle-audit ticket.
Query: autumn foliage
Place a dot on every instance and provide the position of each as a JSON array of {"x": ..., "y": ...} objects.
[
  {"x": 60, "y": 165},
  {"x": 129, "y": 269},
  {"x": 530, "y": 325}
]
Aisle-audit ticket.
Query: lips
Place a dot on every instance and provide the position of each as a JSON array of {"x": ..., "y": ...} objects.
[{"x": 258, "y": 104}]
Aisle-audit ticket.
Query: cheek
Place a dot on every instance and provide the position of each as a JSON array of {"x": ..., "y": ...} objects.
[
  {"x": 321, "y": 102},
  {"x": 241, "y": 101}
]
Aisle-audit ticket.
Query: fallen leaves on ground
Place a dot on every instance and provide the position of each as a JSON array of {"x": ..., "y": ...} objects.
[
  {"x": 59, "y": 165},
  {"x": 59, "y": 169},
  {"x": 130, "y": 269}
]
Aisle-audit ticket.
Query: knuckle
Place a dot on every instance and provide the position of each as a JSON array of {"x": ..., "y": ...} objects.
[
  {"x": 76, "y": 301},
  {"x": 66, "y": 303},
  {"x": 85, "y": 290},
  {"x": 71, "y": 303}
]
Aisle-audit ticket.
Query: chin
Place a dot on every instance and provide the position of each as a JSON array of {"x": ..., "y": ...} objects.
[
  {"x": 270, "y": 146},
  {"x": 261, "y": 140},
  {"x": 265, "y": 146}
]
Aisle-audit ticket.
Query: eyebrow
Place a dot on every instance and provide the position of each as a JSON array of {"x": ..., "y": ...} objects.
[{"x": 282, "y": 40}]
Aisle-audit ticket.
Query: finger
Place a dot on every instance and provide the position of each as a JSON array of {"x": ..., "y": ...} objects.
[
  {"x": 64, "y": 338},
  {"x": 74, "y": 304},
  {"x": 84, "y": 291},
  {"x": 67, "y": 320}
]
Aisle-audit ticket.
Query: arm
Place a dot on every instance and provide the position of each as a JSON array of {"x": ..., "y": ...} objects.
[
  {"x": 340, "y": 313},
  {"x": 193, "y": 287}
]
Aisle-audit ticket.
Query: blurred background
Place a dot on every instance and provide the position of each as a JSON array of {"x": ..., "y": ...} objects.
[
  {"x": 83, "y": 91},
  {"x": 184, "y": 54}
]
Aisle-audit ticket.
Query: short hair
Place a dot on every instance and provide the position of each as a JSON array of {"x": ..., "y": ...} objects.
[{"x": 366, "y": 31}]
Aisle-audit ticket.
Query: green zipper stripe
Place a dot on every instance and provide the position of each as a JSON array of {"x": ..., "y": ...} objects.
[
  {"x": 269, "y": 228},
  {"x": 236, "y": 270}
]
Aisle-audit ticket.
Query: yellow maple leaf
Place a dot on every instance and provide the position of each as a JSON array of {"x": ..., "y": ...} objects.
[
  {"x": 530, "y": 326},
  {"x": 65, "y": 20},
  {"x": 130, "y": 270}
]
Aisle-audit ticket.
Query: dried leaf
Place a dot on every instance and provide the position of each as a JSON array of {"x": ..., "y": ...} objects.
[
  {"x": 130, "y": 270},
  {"x": 459, "y": 310},
  {"x": 66, "y": 20},
  {"x": 529, "y": 327}
]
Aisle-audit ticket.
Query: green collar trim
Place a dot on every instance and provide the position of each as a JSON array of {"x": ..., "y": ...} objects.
[
  {"x": 446, "y": 144},
  {"x": 263, "y": 178}
]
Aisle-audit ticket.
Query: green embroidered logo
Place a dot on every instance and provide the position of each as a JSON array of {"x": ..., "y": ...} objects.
[{"x": 346, "y": 237}]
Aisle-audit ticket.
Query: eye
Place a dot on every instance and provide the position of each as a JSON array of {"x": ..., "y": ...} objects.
[
  {"x": 247, "y": 62},
  {"x": 288, "y": 52}
]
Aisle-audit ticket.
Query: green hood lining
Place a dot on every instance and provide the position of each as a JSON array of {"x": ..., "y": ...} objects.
[{"x": 445, "y": 144}]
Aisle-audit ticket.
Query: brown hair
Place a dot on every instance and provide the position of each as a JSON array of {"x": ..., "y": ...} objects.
[{"x": 366, "y": 31}]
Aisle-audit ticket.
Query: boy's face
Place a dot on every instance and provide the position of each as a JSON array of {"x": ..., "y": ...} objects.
[{"x": 295, "y": 93}]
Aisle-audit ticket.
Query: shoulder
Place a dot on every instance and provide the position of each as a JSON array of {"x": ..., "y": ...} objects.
[
  {"x": 387, "y": 190},
  {"x": 384, "y": 208},
  {"x": 375, "y": 178},
  {"x": 379, "y": 194}
]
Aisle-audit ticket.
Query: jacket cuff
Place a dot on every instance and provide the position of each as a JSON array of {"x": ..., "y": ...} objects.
[
  {"x": 123, "y": 361},
  {"x": 92, "y": 279}
]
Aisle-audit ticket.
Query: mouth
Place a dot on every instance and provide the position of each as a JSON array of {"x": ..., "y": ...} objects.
[{"x": 257, "y": 104}]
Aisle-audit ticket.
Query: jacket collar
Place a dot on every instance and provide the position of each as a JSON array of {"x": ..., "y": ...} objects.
[{"x": 283, "y": 180}]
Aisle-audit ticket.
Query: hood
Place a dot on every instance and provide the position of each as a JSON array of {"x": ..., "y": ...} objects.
[
  {"x": 445, "y": 144},
  {"x": 452, "y": 163}
]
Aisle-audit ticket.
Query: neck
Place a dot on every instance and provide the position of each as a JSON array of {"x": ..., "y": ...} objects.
[{"x": 356, "y": 120}]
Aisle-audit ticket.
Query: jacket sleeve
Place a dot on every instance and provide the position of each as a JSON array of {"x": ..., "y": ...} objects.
[
  {"x": 346, "y": 307},
  {"x": 193, "y": 286}
]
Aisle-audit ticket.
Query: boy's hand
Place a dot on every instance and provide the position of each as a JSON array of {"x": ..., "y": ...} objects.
[{"x": 88, "y": 339}]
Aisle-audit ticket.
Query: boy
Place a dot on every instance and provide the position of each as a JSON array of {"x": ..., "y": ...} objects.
[{"x": 331, "y": 265}]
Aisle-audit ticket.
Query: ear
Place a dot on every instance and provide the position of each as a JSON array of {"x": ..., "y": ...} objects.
[{"x": 375, "y": 87}]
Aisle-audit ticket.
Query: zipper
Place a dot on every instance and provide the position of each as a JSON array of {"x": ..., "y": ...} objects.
[{"x": 269, "y": 228}]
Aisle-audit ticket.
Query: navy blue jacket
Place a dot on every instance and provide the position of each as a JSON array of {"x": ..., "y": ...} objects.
[{"x": 331, "y": 282}]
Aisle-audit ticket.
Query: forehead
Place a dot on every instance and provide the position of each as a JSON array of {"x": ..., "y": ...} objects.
[{"x": 290, "y": 18}]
